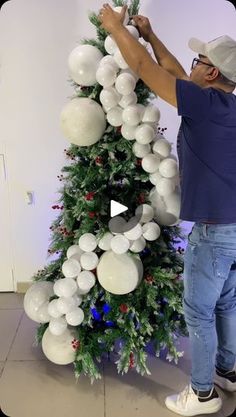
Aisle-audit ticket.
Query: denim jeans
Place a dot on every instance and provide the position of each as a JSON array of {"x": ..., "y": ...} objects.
[{"x": 210, "y": 300}]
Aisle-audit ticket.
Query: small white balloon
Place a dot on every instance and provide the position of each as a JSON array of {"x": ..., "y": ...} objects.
[
  {"x": 155, "y": 178},
  {"x": 162, "y": 148},
  {"x": 108, "y": 59},
  {"x": 146, "y": 212},
  {"x": 136, "y": 232},
  {"x": 134, "y": 32},
  {"x": 117, "y": 224},
  {"x": 105, "y": 242},
  {"x": 118, "y": 9},
  {"x": 151, "y": 231},
  {"x": 125, "y": 84},
  {"x": 83, "y": 64},
  {"x": 144, "y": 134},
  {"x": 160, "y": 209},
  {"x": 138, "y": 245},
  {"x": 165, "y": 186},
  {"x": 87, "y": 242},
  {"x": 57, "y": 326},
  {"x": 109, "y": 97},
  {"x": 131, "y": 115},
  {"x": 128, "y": 132},
  {"x": 86, "y": 280},
  {"x": 114, "y": 116},
  {"x": 65, "y": 287},
  {"x": 120, "y": 244},
  {"x": 74, "y": 250},
  {"x": 130, "y": 71},
  {"x": 141, "y": 150},
  {"x": 71, "y": 268},
  {"x": 78, "y": 299},
  {"x": 110, "y": 45},
  {"x": 141, "y": 109},
  {"x": 119, "y": 59},
  {"x": 168, "y": 168},
  {"x": 58, "y": 349},
  {"x": 128, "y": 100},
  {"x": 106, "y": 75},
  {"x": 75, "y": 317},
  {"x": 151, "y": 115},
  {"x": 53, "y": 310},
  {"x": 89, "y": 261},
  {"x": 65, "y": 304},
  {"x": 150, "y": 163},
  {"x": 172, "y": 202}
]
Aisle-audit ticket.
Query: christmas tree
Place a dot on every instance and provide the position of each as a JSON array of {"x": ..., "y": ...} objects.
[{"x": 115, "y": 278}]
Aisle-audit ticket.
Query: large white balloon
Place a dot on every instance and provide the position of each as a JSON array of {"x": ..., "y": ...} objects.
[
  {"x": 71, "y": 268},
  {"x": 36, "y": 296},
  {"x": 119, "y": 274},
  {"x": 114, "y": 116},
  {"x": 83, "y": 121},
  {"x": 87, "y": 242},
  {"x": 144, "y": 134},
  {"x": 83, "y": 64},
  {"x": 58, "y": 349},
  {"x": 125, "y": 84}
]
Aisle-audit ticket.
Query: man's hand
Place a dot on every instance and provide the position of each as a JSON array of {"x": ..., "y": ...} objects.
[
  {"x": 144, "y": 27},
  {"x": 110, "y": 19}
]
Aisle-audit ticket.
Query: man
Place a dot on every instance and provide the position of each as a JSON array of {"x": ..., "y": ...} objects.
[{"x": 207, "y": 156}]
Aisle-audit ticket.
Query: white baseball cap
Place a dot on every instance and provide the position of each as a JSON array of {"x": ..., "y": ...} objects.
[{"x": 220, "y": 51}]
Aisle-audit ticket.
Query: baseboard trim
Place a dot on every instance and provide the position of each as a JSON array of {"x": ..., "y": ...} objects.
[{"x": 22, "y": 287}]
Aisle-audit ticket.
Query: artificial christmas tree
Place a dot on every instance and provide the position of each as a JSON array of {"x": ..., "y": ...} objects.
[{"x": 116, "y": 278}]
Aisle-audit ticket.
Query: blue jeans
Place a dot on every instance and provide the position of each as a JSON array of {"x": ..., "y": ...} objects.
[{"x": 210, "y": 300}]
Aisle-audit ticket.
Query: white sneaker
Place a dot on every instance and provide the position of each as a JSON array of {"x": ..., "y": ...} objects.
[{"x": 187, "y": 403}]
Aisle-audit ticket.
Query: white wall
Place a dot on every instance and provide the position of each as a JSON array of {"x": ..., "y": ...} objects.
[{"x": 36, "y": 38}]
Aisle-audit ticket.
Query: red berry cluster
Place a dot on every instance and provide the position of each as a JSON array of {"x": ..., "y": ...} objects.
[
  {"x": 60, "y": 177},
  {"x": 131, "y": 360},
  {"x": 149, "y": 279},
  {"x": 89, "y": 196},
  {"x": 75, "y": 344},
  {"x": 56, "y": 207},
  {"x": 92, "y": 214},
  {"x": 69, "y": 155},
  {"x": 124, "y": 308},
  {"x": 99, "y": 160},
  {"x": 162, "y": 130},
  {"x": 139, "y": 162},
  {"x": 141, "y": 198}
]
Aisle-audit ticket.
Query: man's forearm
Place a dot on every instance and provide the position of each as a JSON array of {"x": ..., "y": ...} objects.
[{"x": 165, "y": 58}]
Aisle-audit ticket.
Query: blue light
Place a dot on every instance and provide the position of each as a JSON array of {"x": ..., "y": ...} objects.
[
  {"x": 96, "y": 314},
  {"x": 106, "y": 308}
]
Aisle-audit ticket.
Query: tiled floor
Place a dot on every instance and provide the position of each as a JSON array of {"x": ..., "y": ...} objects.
[{"x": 31, "y": 386}]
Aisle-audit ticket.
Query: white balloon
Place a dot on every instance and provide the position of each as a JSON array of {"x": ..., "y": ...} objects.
[
  {"x": 134, "y": 32},
  {"x": 160, "y": 209},
  {"x": 36, "y": 296},
  {"x": 86, "y": 280},
  {"x": 128, "y": 132},
  {"x": 138, "y": 245},
  {"x": 165, "y": 186},
  {"x": 83, "y": 64},
  {"x": 58, "y": 349},
  {"x": 75, "y": 317},
  {"x": 136, "y": 232},
  {"x": 118, "y": 57},
  {"x": 168, "y": 168},
  {"x": 144, "y": 134},
  {"x": 108, "y": 59},
  {"x": 162, "y": 148},
  {"x": 87, "y": 242},
  {"x": 42, "y": 313},
  {"x": 146, "y": 212},
  {"x": 53, "y": 310},
  {"x": 155, "y": 178},
  {"x": 120, "y": 244},
  {"x": 151, "y": 115},
  {"x": 125, "y": 84},
  {"x": 128, "y": 100},
  {"x": 110, "y": 45},
  {"x": 151, "y": 231},
  {"x": 57, "y": 326},
  {"x": 141, "y": 150},
  {"x": 71, "y": 268},
  {"x": 117, "y": 224},
  {"x": 119, "y": 274},
  {"x": 74, "y": 250},
  {"x": 65, "y": 287},
  {"x": 89, "y": 261},
  {"x": 106, "y": 75},
  {"x": 109, "y": 97},
  {"x": 105, "y": 242},
  {"x": 83, "y": 121},
  {"x": 150, "y": 163},
  {"x": 131, "y": 115},
  {"x": 118, "y": 9},
  {"x": 172, "y": 202},
  {"x": 114, "y": 116},
  {"x": 65, "y": 304}
]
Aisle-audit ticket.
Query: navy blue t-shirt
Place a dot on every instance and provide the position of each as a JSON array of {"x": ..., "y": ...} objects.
[{"x": 207, "y": 153}]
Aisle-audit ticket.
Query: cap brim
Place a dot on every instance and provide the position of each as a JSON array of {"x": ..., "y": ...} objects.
[{"x": 197, "y": 46}]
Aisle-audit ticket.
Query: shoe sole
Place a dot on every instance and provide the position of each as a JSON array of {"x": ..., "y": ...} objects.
[
  {"x": 213, "y": 409},
  {"x": 225, "y": 384}
]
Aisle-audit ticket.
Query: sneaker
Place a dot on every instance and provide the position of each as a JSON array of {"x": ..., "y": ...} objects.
[
  {"x": 192, "y": 403},
  {"x": 225, "y": 380}
]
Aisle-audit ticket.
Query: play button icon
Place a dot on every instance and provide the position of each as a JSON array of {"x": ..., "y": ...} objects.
[{"x": 117, "y": 208}]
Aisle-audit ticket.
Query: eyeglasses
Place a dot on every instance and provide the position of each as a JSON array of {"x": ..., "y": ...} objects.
[{"x": 196, "y": 61}]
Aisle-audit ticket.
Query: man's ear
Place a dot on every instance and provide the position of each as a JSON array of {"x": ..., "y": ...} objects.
[{"x": 212, "y": 74}]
